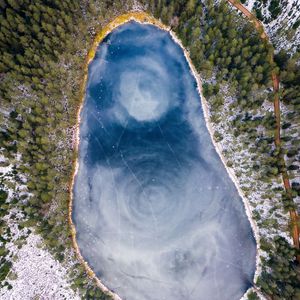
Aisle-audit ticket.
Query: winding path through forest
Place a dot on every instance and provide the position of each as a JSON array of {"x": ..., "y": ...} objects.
[{"x": 275, "y": 79}]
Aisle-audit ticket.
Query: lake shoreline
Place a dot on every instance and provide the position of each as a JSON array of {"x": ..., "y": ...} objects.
[
  {"x": 218, "y": 148},
  {"x": 143, "y": 18}
]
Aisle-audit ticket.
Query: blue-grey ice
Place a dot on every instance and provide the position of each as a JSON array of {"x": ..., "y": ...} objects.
[{"x": 156, "y": 213}]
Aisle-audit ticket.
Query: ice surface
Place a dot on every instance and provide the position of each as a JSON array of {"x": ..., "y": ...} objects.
[{"x": 157, "y": 216}]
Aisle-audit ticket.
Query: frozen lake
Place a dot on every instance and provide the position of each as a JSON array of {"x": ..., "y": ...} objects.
[{"x": 156, "y": 213}]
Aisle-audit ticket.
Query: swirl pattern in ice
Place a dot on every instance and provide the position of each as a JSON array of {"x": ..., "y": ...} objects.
[{"x": 156, "y": 214}]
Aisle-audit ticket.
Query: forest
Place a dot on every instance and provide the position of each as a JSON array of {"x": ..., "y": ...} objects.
[{"x": 43, "y": 48}]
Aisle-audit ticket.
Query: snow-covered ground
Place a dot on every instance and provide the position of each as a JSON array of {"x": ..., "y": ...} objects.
[
  {"x": 37, "y": 274},
  {"x": 280, "y": 29},
  {"x": 268, "y": 222},
  {"x": 242, "y": 160},
  {"x": 34, "y": 274},
  {"x": 292, "y": 131}
]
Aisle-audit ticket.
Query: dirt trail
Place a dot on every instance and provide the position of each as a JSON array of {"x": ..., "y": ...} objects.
[
  {"x": 249, "y": 15},
  {"x": 275, "y": 79}
]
